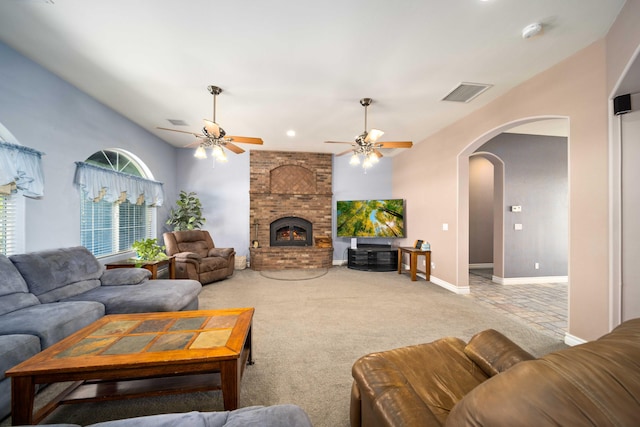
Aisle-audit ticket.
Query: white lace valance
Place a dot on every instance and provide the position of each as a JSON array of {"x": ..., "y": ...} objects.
[
  {"x": 21, "y": 170},
  {"x": 104, "y": 184}
]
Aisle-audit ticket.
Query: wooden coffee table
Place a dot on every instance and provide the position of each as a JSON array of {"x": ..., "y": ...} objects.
[{"x": 124, "y": 356}]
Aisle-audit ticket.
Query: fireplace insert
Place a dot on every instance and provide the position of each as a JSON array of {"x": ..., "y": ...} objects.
[{"x": 291, "y": 231}]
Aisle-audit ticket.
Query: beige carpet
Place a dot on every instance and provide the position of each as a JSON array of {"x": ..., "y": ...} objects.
[
  {"x": 295, "y": 274},
  {"x": 307, "y": 334}
]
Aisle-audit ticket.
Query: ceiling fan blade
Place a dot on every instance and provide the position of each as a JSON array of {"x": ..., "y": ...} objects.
[
  {"x": 337, "y": 142},
  {"x": 212, "y": 128},
  {"x": 396, "y": 144},
  {"x": 234, "y": 148},
  {"x": 373, "y": 135},
  {"x": 181, "y": 131},
  {"x": 344, "y": 152},
  {"x": 245, "y": 139},
  {"x": 379, "y": 154}
]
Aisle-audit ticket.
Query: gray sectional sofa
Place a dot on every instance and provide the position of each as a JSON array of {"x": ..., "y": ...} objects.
[
  {"x": 253, "y": 416},
  {"x": 46, "y": 296}
]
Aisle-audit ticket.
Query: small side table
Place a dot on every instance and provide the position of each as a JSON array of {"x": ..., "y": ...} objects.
[
  {"x": 152, "y": 266},
  {"x": 413, "y": 261}
]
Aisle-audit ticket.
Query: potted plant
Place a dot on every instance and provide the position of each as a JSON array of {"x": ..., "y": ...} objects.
[
  {"x": 149, "y": 250},
  {"x": 188, "y": 213}
]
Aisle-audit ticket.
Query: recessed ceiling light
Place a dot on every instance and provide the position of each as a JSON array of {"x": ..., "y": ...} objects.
[
  {"x": 531, "y": 30},
  {"x": 291, "y": 133}
]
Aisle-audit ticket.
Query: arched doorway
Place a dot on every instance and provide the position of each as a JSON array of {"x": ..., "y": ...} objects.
[
  {"x": 486, "y": 198},
  {"x": 509, "y": 267}
]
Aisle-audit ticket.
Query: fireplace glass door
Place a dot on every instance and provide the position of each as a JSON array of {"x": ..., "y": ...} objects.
[{"x": 290, "y": 231}]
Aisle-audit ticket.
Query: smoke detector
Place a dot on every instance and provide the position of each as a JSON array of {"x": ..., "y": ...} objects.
[{"x": 531, "y": 30}]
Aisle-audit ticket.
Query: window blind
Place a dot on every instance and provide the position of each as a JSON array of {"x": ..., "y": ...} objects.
[
  {"x": 8, "y": 223},
  {"x": 109, "y": 228}
]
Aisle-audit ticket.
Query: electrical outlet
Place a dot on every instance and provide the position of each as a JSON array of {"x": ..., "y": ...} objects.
[
  {"x": 433, "y": 265},
  {"x": 424, "y": 263},
  {"x": 537, "y": 266}
]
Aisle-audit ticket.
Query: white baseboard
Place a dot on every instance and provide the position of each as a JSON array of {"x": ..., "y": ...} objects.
[
  {"x": 448, "y": 286},
  {"x": 529, "y": 280},
  {"x": 572, "y": 339},
  {"x": 482, "y": 265}
]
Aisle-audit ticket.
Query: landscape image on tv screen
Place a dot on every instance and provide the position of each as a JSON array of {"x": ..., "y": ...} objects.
[{"x": 370, "y": 218}]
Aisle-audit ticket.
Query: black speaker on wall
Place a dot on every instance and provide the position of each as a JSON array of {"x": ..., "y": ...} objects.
[{"x": 622, "y": 104}]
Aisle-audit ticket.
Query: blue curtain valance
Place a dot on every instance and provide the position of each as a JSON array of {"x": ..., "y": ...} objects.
[
  {"x": 104, "y": 184},
  {"x": 21, "y": 169}
]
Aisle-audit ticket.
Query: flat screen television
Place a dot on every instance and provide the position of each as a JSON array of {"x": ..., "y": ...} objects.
[{"x": 370, "y": 218}]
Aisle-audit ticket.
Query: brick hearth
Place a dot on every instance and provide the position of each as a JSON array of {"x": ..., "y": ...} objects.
[{"x": 290, "y": 184}]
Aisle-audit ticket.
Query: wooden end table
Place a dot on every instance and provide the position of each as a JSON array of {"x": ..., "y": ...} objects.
[
  {"x": 413, "y": 261},
  {"x": 152, "y": 266},
  {"x": 123, "y": 356}
]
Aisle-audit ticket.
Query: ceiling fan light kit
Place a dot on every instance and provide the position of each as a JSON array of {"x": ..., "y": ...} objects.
[
  {"x": 366, "y": 144},
  {"x": 214, "y": 137}
]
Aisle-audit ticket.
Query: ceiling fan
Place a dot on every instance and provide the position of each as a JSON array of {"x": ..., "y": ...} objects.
[
  {"x": 367, "y": 145},
  {"x": 214, "y": 137}
]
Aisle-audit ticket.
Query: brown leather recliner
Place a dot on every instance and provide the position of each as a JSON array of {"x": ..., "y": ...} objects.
[
  {"x": 197, "y": 257},
  {"x": 492, "y": 382}
]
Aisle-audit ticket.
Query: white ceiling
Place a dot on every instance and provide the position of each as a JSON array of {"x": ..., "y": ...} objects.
[{"x": 298, "y": 64}]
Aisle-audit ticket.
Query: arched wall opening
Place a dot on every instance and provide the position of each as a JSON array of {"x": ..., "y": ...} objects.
[
  {"x": 497, "y": 213},
  {"x": 463, "y": 195},
  {"x": 463, "y": 189}
]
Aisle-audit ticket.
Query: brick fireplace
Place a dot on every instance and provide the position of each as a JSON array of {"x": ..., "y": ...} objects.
[{"x": 290, "y": 204}]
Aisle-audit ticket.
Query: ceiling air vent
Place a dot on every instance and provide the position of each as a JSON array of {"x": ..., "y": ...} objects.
[
  {"x": 177, "y": 122},
  {"x": 465, "y": 92}
]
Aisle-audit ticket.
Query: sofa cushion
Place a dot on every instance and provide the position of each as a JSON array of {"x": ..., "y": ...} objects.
[
  {"x": 152, "y": 295},
  {"x": 212, "y": 264},
  {"x": 267, "y": 416},
  {"x": 198, "y": 247},
  {"x": 223, "y": 252},
  {"x": 14, "y": 293},
  {"x": 494, "y": 352},
  {"x": 596, "y": 383},
  {"x": 15, "y": 349},
  {"x": 417, "y": 382},
  {"x": 253, "y": 416},
  {"x": 51, "y": 322},
  {"x": 53, "y": 275},
  {"x": 124, "y": 276}
]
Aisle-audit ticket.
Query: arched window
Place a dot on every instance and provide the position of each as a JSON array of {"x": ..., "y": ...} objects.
[{"x": 108, "y": 227}]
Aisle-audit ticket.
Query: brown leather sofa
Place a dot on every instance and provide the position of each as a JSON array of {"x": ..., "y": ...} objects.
[
  {"x": 197, "y": 257},
  {"x": 492, "y": 382}
]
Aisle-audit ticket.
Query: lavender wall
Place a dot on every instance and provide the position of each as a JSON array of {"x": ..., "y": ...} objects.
[
  {"x": 536, "y": 178},
  {"x": 48, "y": 114}
]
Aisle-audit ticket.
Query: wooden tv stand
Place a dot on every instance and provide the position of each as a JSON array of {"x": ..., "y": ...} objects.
[{"x": 373, "y": 258}]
